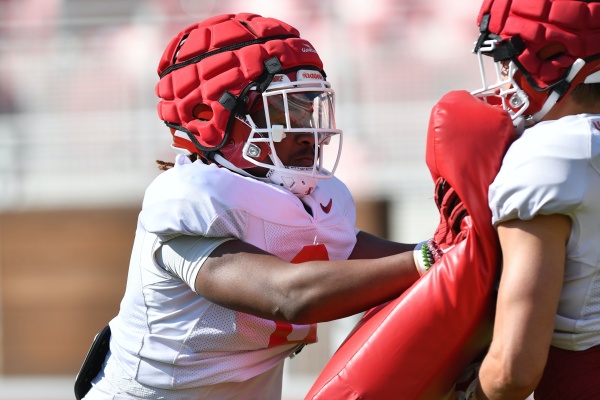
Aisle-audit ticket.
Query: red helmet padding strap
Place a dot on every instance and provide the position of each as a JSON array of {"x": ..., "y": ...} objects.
[{"x": 416, "y": 346}]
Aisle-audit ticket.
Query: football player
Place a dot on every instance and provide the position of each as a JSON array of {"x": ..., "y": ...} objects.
[
  {"x": 545, "y": 201},
  {"x": 248, "y": 239}
]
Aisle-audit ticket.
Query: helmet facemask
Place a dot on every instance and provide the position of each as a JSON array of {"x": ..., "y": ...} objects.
[
  {"x": 515, "y": 91},
  {"x": 504, "y": 91},
  {"x": 301, "y": 111}
]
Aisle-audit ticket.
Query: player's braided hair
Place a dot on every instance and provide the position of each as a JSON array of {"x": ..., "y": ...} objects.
[{"x": 166, "y": 165}]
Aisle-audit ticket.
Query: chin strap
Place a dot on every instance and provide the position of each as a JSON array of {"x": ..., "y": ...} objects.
[
  {"x": 559, "y": 91},
  {"x": 222, "y": 161},
  {"x": 298, "y": 184}
]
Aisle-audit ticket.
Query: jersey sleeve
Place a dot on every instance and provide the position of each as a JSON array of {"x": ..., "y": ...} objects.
[
  {"x": 542, "y": 173},
  {"x": 185, "y": 255}
]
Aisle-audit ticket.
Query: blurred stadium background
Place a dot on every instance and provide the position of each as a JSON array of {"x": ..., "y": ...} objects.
[{"x": 79, "y": 136}]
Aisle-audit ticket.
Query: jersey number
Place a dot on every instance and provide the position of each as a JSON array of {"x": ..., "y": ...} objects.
[{"x": 292, "y": 333}]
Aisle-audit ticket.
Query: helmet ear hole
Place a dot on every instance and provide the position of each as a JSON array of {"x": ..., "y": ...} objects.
[
  {"x": 551, "y": 51},
  {"x": 203, "y": 112}
]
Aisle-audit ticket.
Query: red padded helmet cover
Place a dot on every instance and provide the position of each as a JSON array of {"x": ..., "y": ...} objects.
[
  {"x": 555, "y": 33},
  {"x": 416, "y": 346},
  {"x": 200, "y": 84}
]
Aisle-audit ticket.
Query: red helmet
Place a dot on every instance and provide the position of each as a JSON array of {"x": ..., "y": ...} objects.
[
  {"x": 542, "y": 49},
  {"x": 216, "y": 76}
]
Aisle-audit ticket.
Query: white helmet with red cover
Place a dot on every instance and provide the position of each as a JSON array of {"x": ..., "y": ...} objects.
[
  {"x": 234, "y": 85},
  {"x": 542, "y": 50}
]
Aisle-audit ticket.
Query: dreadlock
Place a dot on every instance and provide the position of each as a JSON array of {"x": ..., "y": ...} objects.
[{"x": 164, "y": 165}]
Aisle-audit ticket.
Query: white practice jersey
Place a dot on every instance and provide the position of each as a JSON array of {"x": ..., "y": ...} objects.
[
  {"x": 166, "y": 335},
  {"x": 554, "y": 168}
]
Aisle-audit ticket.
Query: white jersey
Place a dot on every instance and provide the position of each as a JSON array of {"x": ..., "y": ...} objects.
[
  {"x": 168, "y": 337},
  {"x": 554, "y": 168}
]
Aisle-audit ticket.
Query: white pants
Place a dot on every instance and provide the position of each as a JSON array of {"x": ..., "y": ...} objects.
[{"x": 266, "y": 386}]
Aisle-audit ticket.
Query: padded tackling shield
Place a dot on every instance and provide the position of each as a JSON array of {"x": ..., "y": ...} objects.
[{"x": 415, "y": 346}]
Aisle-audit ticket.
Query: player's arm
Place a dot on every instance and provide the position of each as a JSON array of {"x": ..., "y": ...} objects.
[
  {"x": 242, "y": 277},
  {"x": 532, "y": 277},
  {"x": 371, "y": 246}
]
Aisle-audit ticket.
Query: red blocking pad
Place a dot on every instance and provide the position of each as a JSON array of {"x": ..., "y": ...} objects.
[{"x": 416, "y": 346}]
